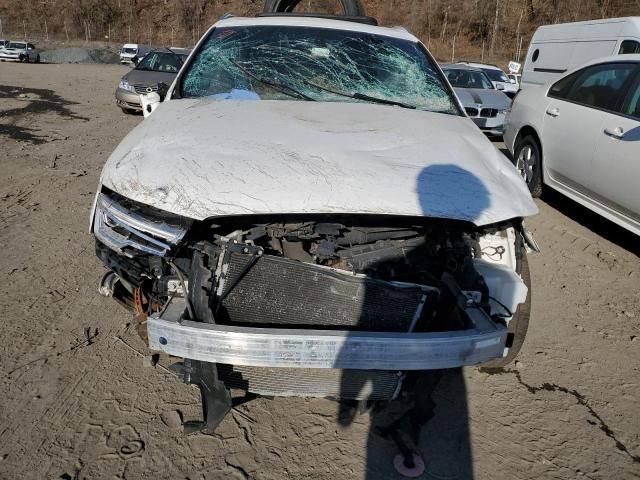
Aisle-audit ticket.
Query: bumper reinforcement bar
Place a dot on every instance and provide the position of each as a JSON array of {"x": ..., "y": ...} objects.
[{"x": 298, "y": 348}]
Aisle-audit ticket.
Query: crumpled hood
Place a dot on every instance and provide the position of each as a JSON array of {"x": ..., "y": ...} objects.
[
  {"x": 472, "y": 97},
  {"x": 203, "y": 158}
]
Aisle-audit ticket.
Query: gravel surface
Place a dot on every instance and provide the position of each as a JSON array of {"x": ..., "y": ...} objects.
[
  {"x": 76, "y": 400},
  {"x": 79, "y": 55}
]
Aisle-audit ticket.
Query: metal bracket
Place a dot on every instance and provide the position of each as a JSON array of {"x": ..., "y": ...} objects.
[{"x": 216, "y": 398}]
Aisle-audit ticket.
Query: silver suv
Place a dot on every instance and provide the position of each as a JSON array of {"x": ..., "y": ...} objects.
[
  {"x": 20, "y": 52},
  {"x": 309, "y": 212}
]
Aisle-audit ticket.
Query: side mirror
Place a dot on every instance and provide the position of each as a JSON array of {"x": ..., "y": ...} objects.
[
  {"x": 500, "y": 86},
  {"x": 512, "y": 80}
]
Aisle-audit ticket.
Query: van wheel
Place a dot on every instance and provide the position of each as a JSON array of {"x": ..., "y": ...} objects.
[
  {"x": 38, "y": 59},
  {"x": 518, "y": 325},
  {"x": 528, "y": 161},
  {"x": 350, "y": 7},
  {"x": 127, "y": 111}
]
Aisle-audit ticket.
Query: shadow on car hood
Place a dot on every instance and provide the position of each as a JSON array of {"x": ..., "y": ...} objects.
[{"x": 203, "y": 158}]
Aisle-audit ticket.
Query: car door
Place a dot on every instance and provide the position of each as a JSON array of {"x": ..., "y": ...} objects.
[
  {"x": 616, "y": 164},
  {"x": 574, "y": 114}
]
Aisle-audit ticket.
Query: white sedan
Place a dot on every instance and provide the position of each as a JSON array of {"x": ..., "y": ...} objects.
[{"x": 581, "y": 136}]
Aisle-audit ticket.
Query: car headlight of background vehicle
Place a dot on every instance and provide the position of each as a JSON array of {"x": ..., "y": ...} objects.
[
  {"x": 124, "y": 84},
  {"x": 133, "y": 229}
]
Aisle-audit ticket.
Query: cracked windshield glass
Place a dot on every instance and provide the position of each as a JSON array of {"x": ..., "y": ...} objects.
[{"x": 287, "y": 63}]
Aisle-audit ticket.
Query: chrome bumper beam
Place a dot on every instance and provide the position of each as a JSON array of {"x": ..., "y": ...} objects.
[{"x": 296, "y": 348}]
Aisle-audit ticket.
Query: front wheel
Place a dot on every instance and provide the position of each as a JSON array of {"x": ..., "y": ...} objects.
[
  {"x": 528, "y": 161},
  {"x": 38, "y": 59}
]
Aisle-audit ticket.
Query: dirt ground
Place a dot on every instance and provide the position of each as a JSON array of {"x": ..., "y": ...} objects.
[{"x": 76, "y": 400}]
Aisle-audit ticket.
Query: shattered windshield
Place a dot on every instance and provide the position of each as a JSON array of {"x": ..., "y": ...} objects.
[
  {"x": 462, "y": 78},
  {"x": 302, "y": 63}
]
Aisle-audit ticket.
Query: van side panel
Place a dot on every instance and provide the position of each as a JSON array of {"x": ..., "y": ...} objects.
[{"x": 565, "y": 46}]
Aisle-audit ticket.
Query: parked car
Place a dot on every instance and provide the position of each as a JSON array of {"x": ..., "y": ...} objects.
[
  {"x": 515, "y": 79},
  {"x": 485, "y": 105},
  {"x": 498, "y": 78},
  {"x": 131, "y": 51},
  {"x": 555, "y": 49},
  {"x": 581, "y": 136},
  {"x": 159, "y": 66},
  {"x": 309, "y": 212},
  {"x": 20, "y": 52}
]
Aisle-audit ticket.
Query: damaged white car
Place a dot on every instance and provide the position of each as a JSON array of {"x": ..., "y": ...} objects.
[{"x": 309, "y": 212}]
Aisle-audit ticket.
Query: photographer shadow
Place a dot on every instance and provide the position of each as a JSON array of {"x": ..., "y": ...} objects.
[{"x": 430, "y": 416}]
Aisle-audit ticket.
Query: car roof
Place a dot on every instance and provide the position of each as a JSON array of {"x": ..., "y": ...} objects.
[
  {"x": 317, "y": 22},
  {"x": 459, "y": 66},
  {"x": 488, "y": 66},
  {"x": 633, "y": 57}
]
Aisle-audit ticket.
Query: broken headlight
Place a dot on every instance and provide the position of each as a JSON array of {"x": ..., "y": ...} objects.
[{"x": 132, "y": 229}]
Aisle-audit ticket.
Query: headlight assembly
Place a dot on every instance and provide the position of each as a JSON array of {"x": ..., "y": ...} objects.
[
  {"x": 124, "y": 84},
  {"x": 136, "y": 230}
]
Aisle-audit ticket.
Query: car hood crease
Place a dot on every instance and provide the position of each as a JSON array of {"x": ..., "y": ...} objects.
[{"x": 202, "y": 158}]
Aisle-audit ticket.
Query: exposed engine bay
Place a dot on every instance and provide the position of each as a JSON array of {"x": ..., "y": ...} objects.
[{"x": 356, "y": 275}]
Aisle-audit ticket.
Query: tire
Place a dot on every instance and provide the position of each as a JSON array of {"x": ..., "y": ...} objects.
[
  {"x": 127, "y": 111},
  {"x": 38, "y": 59},
  {"x": 24, "y": 59},
  {"x": 528, "y": 160},
  {"x": 518, "y": 325},
  {"x": 351, "y": 8}
]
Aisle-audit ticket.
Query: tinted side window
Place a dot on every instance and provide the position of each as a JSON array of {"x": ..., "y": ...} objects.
[
  {"x": 562, "y": 86},
  {"x": 599, "y": 86},
  {"x": 629, "y": 46}
]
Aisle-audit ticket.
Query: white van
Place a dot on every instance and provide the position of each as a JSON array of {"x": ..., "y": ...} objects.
[
  {"x": 554, "y": 49},
  {"x": 131, "y": 50}
]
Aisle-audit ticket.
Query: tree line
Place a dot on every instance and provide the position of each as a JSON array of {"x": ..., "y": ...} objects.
[{"x": 491, "y": 30}]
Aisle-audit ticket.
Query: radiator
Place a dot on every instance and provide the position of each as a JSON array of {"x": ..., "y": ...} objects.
[
  {"x": 311, "y": 382},
  {"x": 280, "y": 291}
]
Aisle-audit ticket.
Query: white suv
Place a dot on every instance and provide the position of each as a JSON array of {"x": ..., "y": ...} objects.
[
  {"x": 310, "y": 212},
  {"x": 498, "y": 78},
  {"x": 20, "y": 52}
]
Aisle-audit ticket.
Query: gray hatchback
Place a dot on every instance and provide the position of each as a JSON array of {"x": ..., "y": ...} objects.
[{"x": 158, "y": 66}]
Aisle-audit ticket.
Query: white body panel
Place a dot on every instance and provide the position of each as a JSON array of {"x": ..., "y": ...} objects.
[
  {"x": 578, "y": 158},
  {"x": 562, "y": 47},
  {"x": 203, "y": 158}
]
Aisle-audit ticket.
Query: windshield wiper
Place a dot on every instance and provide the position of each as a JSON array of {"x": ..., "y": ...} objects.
[
  {"x": 361, "y": 96},
  {"x": 286, "y": 89}
]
